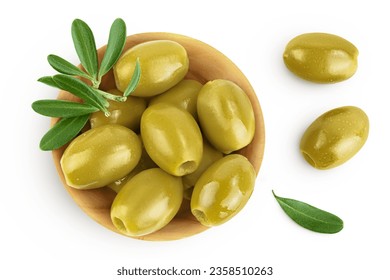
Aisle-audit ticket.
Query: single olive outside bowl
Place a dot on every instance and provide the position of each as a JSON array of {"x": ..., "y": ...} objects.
[{"x": 206, "y": 63}]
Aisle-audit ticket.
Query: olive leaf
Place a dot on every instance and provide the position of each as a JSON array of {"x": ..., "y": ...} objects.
[
  {"x": 82, "y": 90},
  {"x": 116, "y": 42},
  {"x": 310, "y": 217},
  {"x": 62, "y": 108},
  {"x": 85, "y": 46},
  {"x": 63, "y": 132},
  {"x": 65, "y": 67},
  {"x": 48, "y": 80},
  {"x": 134, "y": 79}
]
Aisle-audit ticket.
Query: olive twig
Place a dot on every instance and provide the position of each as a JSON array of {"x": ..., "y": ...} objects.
[
  {"x": 111, "y": 96},
  {"x": 74, "y": 117}
]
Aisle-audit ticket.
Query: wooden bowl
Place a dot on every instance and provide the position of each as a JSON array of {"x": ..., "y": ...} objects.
[{"x": 206, "y": 63}]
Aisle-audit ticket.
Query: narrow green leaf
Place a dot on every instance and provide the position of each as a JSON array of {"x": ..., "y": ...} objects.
[
  {"x": 80, "y": 89},
  {"x": 309, "y": 216},
  {"x": 62, "y": 132},
  {"x": 62, "y": 108},
  {"x": 134, "y": 79},
  {"x": 65, "y": 67},
  {"x": 116, "y": 42},
  {"x": 84, "y": 43},
  {"x": 48, "y": 80}
]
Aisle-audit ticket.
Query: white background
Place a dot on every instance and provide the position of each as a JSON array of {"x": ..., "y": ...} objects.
[{"x": 45, "y": 235}]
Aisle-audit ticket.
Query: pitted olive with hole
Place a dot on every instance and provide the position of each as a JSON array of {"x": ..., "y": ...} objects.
[
  {"x": 223, "y": 190},
  {"x": 147, "y": 202},
  {"x": 226, "y": 115},
  {"x": 100, "y": 156},
  {"x": 321, "y": 57},
  {"x": 172, "y": 139},
  {"x": 184, "y": 95},
  {"x": 126, "y": 113},
  {"x": 164, "y": 63},
  {"x": 335, "y": 137}
]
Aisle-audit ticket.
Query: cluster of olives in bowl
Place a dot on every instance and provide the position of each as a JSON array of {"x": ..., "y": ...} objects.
[{"x": 185, "y": 155}]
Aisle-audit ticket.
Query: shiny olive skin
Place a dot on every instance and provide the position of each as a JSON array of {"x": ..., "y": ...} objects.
[
  {"x": 209, "y": 156},
  {"x": 172, "y": 138},
  {"x": 223, "y": 190},
  {"x": 100, "y": 156},
  {"x": 147, "y": 202},
  {"x": 183, "y": 95},
  {"x": 335, "y": 137},
  {"x": 144, "y": 163},
  {"x": 321, "y": 57},
  {"x": 226, "y": 115},
  {"x": 163, "y": 64},
  {"x": 126, "y": 113}
]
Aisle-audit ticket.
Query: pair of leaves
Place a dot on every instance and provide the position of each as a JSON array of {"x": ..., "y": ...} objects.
[
  {"x": 309, "y": 216},
  {"x": 85, "y": 46}
]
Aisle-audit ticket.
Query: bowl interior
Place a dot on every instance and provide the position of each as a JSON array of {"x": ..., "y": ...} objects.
[{"x": 206, "y": 63}]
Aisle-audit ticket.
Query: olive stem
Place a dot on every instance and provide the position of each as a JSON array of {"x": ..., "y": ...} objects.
[
  {"x": 95, "y": 83},
  {"x": 111, "y": 96}
]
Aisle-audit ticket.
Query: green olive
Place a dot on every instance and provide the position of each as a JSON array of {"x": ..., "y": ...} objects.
[
  {"x": 226, "y": 115},
  {"x": 147, "y": 202},
  {"x": 321, "y": 57},
  {"x": 172, "y": 138},
  {"x": 144, "y": 163},
  {"x": 184, "y": 95},
  {"x": 209, "y": 156},
  {"x": 163, "y": 64},
  {"x": 335, "y": 137},
  {"x": 223, "y": 190},
  {"x": 126, "y": 113},
  {"x": 100, "y": 156}
]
